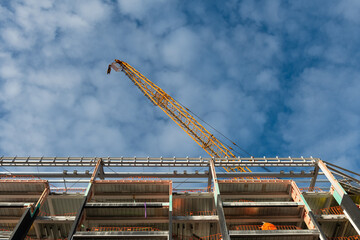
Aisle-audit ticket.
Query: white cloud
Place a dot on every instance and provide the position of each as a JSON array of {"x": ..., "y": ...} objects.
[
  {"x": 349, "y": 9},
  {"x": 180, "y": 47},
  {"x": 270, "y": 84},
  {"x": 15, "y": 38},
  {"x": 11, "y": 90},
  {"x": 263, "y": 12},
  {"x": 266, "y": 80},
  {"x": 325, "y": 116},
  {"x": 138, "y": 8}
]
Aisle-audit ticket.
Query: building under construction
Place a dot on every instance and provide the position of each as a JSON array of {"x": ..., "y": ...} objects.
[
  {"x": 176, "y": 198},
  {"x": 221, "y": 197}
]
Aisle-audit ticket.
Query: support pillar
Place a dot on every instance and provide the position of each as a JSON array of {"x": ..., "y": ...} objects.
[
  {"x": 351, "y": 211},
  {"x": 101, "y": 171},
  {"x": 51, "y": 207},
  {"x": 87, "y": 197},
  {"x": 37, "y": 230},
  {"x": 209, "y": 180},
  {"x": 170, "y": 213},
  {"x": 309, "y": 217},
  {"x": 218, "y": 203},
  {"x": 313, "y": 180},
  {"x": 27, "y": 219}
]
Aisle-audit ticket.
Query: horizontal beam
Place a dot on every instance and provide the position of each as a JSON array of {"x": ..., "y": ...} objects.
[
  {"x": 147, "y": 161},
  {"x": 125, "y": 220},
  {"x": 125, "y": 235},
  {"x": 324, "y": 218},
  {"x": 14, "y": 204},
  {"x": 40, "y": 219},
  {"x": 55, "y": 219},
  {"x": 130, "y": 196},
  {"x": 186, "y": 219},
  {"x": 9, "y": 220},
  {"x": 258, "y": 233},
  {"x": 192, "y": 195},
  {"x": 267, "y": 174},
  {"x": 261, "y": 204},
  {"x": 5, "y": 234},
  {"x": 129, "y": 175},
  {"x": 253, "y": 220},
  {"x": 255, "y": 195},
  {"x": 126, "y": 205},
  {"x": 36, "y": 196}
]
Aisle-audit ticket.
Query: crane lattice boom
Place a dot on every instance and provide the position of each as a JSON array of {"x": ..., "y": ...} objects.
[{"x": 177, "y": 113}]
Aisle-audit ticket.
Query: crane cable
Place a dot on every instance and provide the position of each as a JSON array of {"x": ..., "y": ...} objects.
[
  {"x": 265, "y": 168},
  {"x": 217, "y": 131}
]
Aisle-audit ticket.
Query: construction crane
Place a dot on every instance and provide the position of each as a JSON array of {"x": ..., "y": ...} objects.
[{"x": 178, "y": 114}]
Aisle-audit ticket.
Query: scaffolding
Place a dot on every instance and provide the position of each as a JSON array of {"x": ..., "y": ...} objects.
[{"x": 176, "y": 198}]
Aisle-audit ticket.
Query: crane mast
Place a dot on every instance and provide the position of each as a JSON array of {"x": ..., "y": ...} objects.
[{"x": 177, "y": 113}]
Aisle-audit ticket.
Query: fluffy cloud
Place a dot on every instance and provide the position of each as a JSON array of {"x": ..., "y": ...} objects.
[{"x": 271, "y": 75}]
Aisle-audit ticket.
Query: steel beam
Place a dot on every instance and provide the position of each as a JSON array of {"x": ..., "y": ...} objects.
[
  {"x": 256, "y": 195},
  {"x": 255, "y": 219},
  {"x": 218, "y": 203},
  {"x": 262, "y": 204},
  {"x": 14, "y": 204},
  {"x": 351, "y": 211},
  {"x": 124, "y": 235},
  {"x": 186, "y": 219},
  {"x": 55, "y": 219},
  {"x": 101, "y": 171},
  {"x": 313, "y": 180},
  {"x": 170, "y": 236},
  {"x": 22, "y": 227},
  {"x": 209, "y": 181},
  {"x": 163, "y": 175},
  {"x": 347, "y": 170},
  {"x": 158, "y": 162},
  {"x": 331, "y": 218},
  {"x": 193, "y": 195},
  {"x": 88, "y": 195},
  {"x": 51, "y": 207},
  {"x": 125, "y": 220},
  {"x": 37, "y": 230},
  {"x": 344, "y": 175},
  {"x": 126, "y": 205},
  {"x": 273, "y": 233},
  {"x": 130, "y": 196},
  {"x": 309, "y": 217}
]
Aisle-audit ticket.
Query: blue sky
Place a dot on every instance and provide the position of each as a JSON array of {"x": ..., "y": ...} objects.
[{"x": 278, "y": 77}]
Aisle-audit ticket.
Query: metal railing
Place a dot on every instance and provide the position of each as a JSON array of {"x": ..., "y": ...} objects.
[
  {"x": 124, "y": 229},
  {"x": 258, "y": 227}
]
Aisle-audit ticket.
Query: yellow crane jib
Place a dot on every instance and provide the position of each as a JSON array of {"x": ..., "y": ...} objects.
[{"x": 178, "y": 114}]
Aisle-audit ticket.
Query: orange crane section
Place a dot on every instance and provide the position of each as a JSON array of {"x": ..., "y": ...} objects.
[{"x": 178, "y": 114}]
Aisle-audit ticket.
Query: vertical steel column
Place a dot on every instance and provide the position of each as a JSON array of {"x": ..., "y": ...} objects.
[
  {"x": 170, "y": 212},
  {"x": 218, "y": 203},
  {"x": 209, "y": 180},
  {"x": 313, "y": 180},
  {"x": 309, "y": 217},
  {"x": 51, "y": 207},
  {"x": 27, "y": 219},
  {"x": 88, "y": 195},
  {"x": 351, "y": 211},
  {"x": 101, "y": 171}
]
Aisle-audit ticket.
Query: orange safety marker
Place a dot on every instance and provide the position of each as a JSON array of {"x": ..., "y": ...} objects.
[{"x": 268, "y": 226}]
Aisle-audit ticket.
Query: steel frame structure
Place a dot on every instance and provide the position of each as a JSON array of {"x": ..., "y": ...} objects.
[{"x": 316, "y": 165}]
